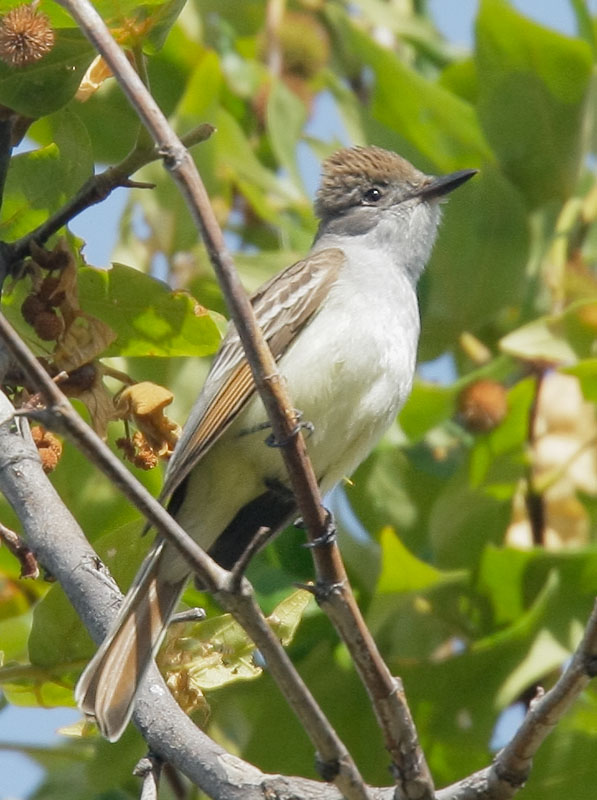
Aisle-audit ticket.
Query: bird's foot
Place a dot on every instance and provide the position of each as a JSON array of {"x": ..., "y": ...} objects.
[{"x": 329, "y": 535}]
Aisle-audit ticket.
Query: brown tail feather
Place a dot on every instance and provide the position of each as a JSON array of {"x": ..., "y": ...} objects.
[{"x": 108, "y": 685}]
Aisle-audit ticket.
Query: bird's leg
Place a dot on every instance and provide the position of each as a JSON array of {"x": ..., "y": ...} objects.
[
  {"x": 271, "y": 440},
  {"x": 306, "y": 426}
]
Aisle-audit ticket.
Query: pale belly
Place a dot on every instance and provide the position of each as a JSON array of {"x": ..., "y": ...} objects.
[{"x": 348, "y": 383}]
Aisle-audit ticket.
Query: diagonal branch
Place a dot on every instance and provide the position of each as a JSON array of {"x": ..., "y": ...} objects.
[
  {"x": 95, "y": 190},
  {"x": 239, "y": 600},
  {"x": 62, "y": 548},
  {"x": 510, "y": 770},
  {"x": 387, "y": 698}
]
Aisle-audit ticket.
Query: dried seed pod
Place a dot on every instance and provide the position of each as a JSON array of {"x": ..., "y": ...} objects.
[
  {"x": 26, "y": 35},
  {"x": 80, "y": 380},
  {"x": 32, "y": 307},
  {"x": 48, "y": 326},
  {"x": 482, "y": 405},
  {"x": 49, "y": 290}
]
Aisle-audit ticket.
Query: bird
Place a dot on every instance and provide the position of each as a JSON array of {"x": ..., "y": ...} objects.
[{"x": 343, "y": 326}]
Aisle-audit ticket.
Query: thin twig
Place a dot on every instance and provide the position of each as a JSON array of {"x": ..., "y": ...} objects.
[
  {"x": 510, "y": 770},
  {"x": 96, "y": 189},
  {"x": 149, "y": 769},
  {"x": 28, "y": 562},
  {"x": 388, "y": 700},
  {"x": 274, "y": 14}
]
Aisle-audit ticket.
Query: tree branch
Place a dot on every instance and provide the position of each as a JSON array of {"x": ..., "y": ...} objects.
[
  {"x": 238, "y": 599},
  {"x": 95, "y": 190},
  {"x": 511, "y": 768},
  {"x": 388, "y": 701},
  {"x": 60, "y": 545}
]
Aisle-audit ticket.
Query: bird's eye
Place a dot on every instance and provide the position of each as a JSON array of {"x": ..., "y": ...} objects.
[{"x": 372, "y": 195}]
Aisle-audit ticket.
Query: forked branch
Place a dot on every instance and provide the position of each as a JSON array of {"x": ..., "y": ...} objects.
[{"x": 409, "y": 767}]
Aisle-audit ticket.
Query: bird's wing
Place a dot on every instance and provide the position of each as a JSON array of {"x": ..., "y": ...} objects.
[{"x": 283, "y": 306}]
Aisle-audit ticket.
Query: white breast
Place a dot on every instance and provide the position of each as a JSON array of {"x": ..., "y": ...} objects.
[{"x": 351, "y": 368}]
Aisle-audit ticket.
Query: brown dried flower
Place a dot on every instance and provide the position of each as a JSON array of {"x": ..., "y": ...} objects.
[
  {"x": 48, "y": 447},
  {"x": 144, "y": 404},
  {"x": 138, "y": 451},
  {"x": 26, "y": 35}
]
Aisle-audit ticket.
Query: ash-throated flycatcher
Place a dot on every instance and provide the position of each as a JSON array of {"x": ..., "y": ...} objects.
[{"x": 343, "y": 325}]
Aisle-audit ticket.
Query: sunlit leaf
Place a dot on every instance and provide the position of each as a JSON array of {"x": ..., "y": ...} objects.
[
  {"x": 532, "y": 88},
  {"x": 556, "y": 339},
  {"x": 286, "y": 116},
  {"x": 439, "y": 124},
  {"x": 483, "y": 246},
  {"x": 148, "y": 318},
  {"x": 217, "y": 651},
  {"x": 48, "y": 84}
]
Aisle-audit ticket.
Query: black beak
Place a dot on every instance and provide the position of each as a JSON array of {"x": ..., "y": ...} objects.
[{"x": 447, "y": 183}]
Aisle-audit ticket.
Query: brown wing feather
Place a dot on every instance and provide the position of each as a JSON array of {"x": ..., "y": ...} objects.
[{"x": 283, "y": 306}]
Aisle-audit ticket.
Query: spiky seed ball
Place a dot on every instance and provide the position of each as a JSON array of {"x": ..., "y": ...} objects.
[
  {"x": 482, "y": 405},
  {"x": 48, "y": 326},
  {"x": 48, "y": 292},
  {"x": 80, "y": 380},
  {"x": 26, "y": 35},
  {"x": 32, "y": 307}
]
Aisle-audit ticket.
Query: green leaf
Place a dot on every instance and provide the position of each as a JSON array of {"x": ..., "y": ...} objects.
[
  {"x": 31, "y": 686},
  {"x": 501, "y": 579},
  {"x": 148, "y": 318},
  {"x": 218, "y": 651},
  {"x": 266, "y": 192},
  {"x": 137, "y": 22},
  {"x": 401, "y": 571},
  {"x": 586, "y": 372},
  {"x": 48, "y": 84},
  {"x": 557, "y": 338},
  {"x": 39, "y": 182},
  {"x": 513, "y": 579},
  {"x": 57, "y": 15},
  {"x": 163, "y": 18},
  {"x": 286, "y": 116},
  {"x": 481, "y": 254},
  {"x": 428, "y": 405},
  {"x": 378, "y": 494},
  {"x": 33, "y": 190},
  {"x": 14, "y": 631},
  {"x": 58, "y": 638},
  {"x": 442, "y": 126},
  {"x": 461, "y": 78},
  {"x": 286, "y": 617},
  {"x": 65, "y": 129},
  {"x": 464, "y": 520},
  {"x": 532, "y": 88},
  {"x": 585, "y": 23}
]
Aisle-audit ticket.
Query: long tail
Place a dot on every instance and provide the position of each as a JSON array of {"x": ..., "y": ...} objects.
[{"x": 109, "y": 683}]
